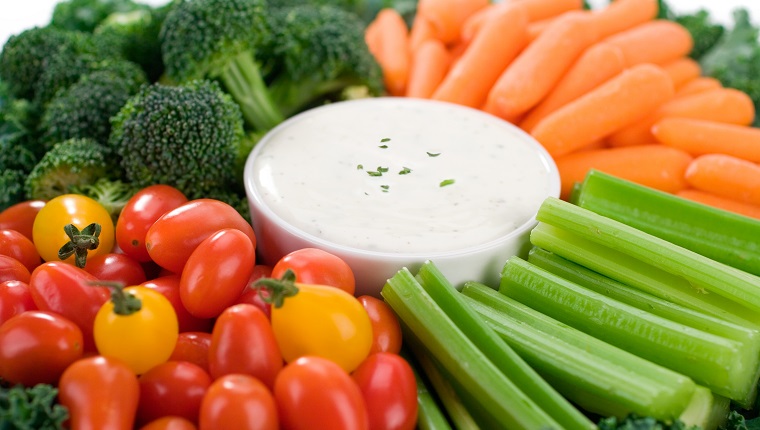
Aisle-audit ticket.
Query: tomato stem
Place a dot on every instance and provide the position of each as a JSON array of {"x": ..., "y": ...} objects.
[
  {"x": 124, "y": 303},
  {"x": 80, "y": 242},
  {"x": 278, "y": 289}
]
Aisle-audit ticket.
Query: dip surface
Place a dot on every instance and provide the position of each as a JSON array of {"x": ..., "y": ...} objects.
[{"x": 402, "y": 175}]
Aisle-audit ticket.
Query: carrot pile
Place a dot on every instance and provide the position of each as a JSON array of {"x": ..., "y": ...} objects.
[{"x": 611, "y": 89}]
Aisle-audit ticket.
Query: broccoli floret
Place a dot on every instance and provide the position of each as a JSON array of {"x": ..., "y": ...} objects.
[
  {"x": 111, "y": 194},
  {"x": 84, "y": 109},
  {"x": 69, "y": 164},
  {"x": 15, "y": 154},
  {"x": 31, "y": 408},
  {"x": 85, "y": 15},
  {"x": 12, "y": 186},
  {"x": 365, "y": 9},
  {"x": 187, "y": 136},
  {"x": 703, "y": 30},
  {"x": 320, "y": 51},
  {"x": 634, "y": 422},
  {"x": 219, "y": 39}
]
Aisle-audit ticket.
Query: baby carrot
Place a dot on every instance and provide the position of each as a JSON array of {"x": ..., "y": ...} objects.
[
  {"x": 654, "y": 165},
  {"x": 726, "y": 105},
  {"x": 658, "y": 42},
  {"x": 539, "y": 10},
  {"x": 542, "y": 64},
  {"x": 698, "y": 137},
  {"x": 420, "y": 31},
  {"x": 448, "y": 16},
  {"x": 729, "y": 205},
  {"x": 619, "y": 102},
  {"x": 596, "y": 65},
  {"x": 494, "y": 47},
  {"x": 621, "y": 15},
  {"x": 682, "y": 71},
  {"x": 430, "y": 63},
  {"x": 726, "y": 176},
  {"x": 698, "y": 85},
  {"x": 387, "y": 38}
]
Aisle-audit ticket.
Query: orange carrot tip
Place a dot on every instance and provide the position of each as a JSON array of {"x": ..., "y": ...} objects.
[
  {"x": 698, "y": 85},
  {"x": 726, "y": 176},
  {"x": 621, "y": 15},
  {"x": 448, "y": 16},
  {"x": 682, "y": 70},
  {"x": 420, "y": 32},
  {"x": 387, "y": 38},
  {"x": 699, "y": 137}
]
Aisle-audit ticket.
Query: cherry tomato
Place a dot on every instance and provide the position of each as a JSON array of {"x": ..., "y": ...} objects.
[
  {"x": 12, "y": 270},
  {"x": 174, "y": 388},
  {"x": 16, "y": 245},
  {"x": 253, "y": 296},
  {"x": 100, "y": 393},
  {"x": 176, "y": 234},
  {"x": 142, "y": 337},
  {"x": 386, "y": 330},
  {"x": 140, "y": 212},
  {"x": 20, "y": 217},
  {"x": 15, "y": 298},
  {"x": 239, "y": 402},
  {"x": 243, "y": 342},
  {"x": 169, "y": 423},
  {"x": 390, "y": 391},
  {"x": 116, "y": 267},
  {"x": 193, "y": 347},
  {"x": 169, "y": 286},
  {"x": 315, "y": 266},
  {"x": 36, "y": 347},
  {"x": 315, "y": 393},
  {"x": 49, "y": 236},
  {"x": 66, "y": 289}
]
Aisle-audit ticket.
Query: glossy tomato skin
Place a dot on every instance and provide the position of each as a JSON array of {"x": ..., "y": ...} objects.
[
  {"x": 65, "y": 289},
  {"x": 100, "y": 393},
  {"x": 316, "y": 266},
  {"x": 139, "y": 214},
  {"x": 387, "y": 384},
  {"x": 386, "y": 330},
  {"x": 16, "y": 245},
  {"x": 239, "y": 402},
  {"x": 242, "y": 342},
  {"x": 116, "y": 267},
  {"x": 217, "y": 272},
  {"x": 168, "y": 285},
  {"x": 142, "y": 339},
  {"x": 169, "y": 423},
  {"x": 252, "y": 296},
  {"x": 176, "y": 234},
  {"x": 20, "y": 217},
  {"x": 13, "y": 270},
  {"x": 314, "y": 393},
  {"x": 37, "y": 346},
  {"x": 193, "y": 347},
  {"x": 174, "y": 388},
  {"x": 15, "y": 298},
  {"x": 49, "y": 236}
]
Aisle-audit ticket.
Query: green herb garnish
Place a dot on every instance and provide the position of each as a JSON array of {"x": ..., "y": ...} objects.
[
  {"x": 433, "y": 154},
  {"x": 405, "y": 171},
  {"x": 446, "y": 182}
]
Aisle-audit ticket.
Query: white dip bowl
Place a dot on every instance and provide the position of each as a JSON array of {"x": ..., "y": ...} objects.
[{"x": 386, "y": 183}]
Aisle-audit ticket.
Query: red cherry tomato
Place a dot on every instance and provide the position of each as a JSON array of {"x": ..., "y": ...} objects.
[
  {"x": 16, "y": 245},
  {"x": 176, "y": 234},
  {"x": 139, "y": 214},
  {"x": 315, "y": 266},
  {"x": 116, "y": 267},
  {"x": 100, "y": 393},
  {"x": 243, "y": 342},
  {"x": 174, "y": 388},
  {"x": 169, "y": 423},
  {"x": 36, "y": 347},
  {"x": 12, "y": 270},
  {"x": 390, "y": 391},
  {"x": 20, "y": 217},
  {"x": 15, "y": 298},
  {"x": 64, "y": 288},
  {"x": 169, "y": 286},
  {"x": 217, "y": 272},
  {"x": 315, "y": 393},
  {"x": 255, "y": 296},
  {"x": 193, "y": 347},
  {"x": 386, "y": 330},
  {"x": 239, "y": 402}
]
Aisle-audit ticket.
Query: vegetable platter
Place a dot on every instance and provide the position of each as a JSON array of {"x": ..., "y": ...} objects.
[{"x": 132, "y": 295}]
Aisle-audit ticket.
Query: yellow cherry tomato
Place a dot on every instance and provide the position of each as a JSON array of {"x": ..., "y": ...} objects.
[
  {"x": 142, "y": 338},
  {"x": 48, "y": 229}
]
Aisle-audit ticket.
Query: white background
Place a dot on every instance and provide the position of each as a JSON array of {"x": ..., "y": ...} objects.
[{"x": 18, "y": 15}]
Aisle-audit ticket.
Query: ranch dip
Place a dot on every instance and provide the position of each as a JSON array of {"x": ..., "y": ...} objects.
[{"x": 402, "y": 175}]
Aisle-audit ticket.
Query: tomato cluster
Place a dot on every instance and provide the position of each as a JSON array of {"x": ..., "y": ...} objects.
[{"x": 164, "y": 319}]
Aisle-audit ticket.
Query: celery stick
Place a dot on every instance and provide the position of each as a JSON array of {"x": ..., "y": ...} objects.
[
  {"x": 700, "y": 271},
  {"x": 706, "y": 410},
  {"x": 721, "y": 364},
  {"x": 429, "y": 413},
  {"x": 638, "y": 274},
  {"x": 496, "y": 350},
  {"x": 599, "y": 377},
  {"x": 721, "y": 235},
  {"x": 499, "y": 395},
  {"x": 748, "y": 336}
]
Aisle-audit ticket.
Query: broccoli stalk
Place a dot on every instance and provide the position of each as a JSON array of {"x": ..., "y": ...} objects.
[{"x": 113, "y": 195}]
